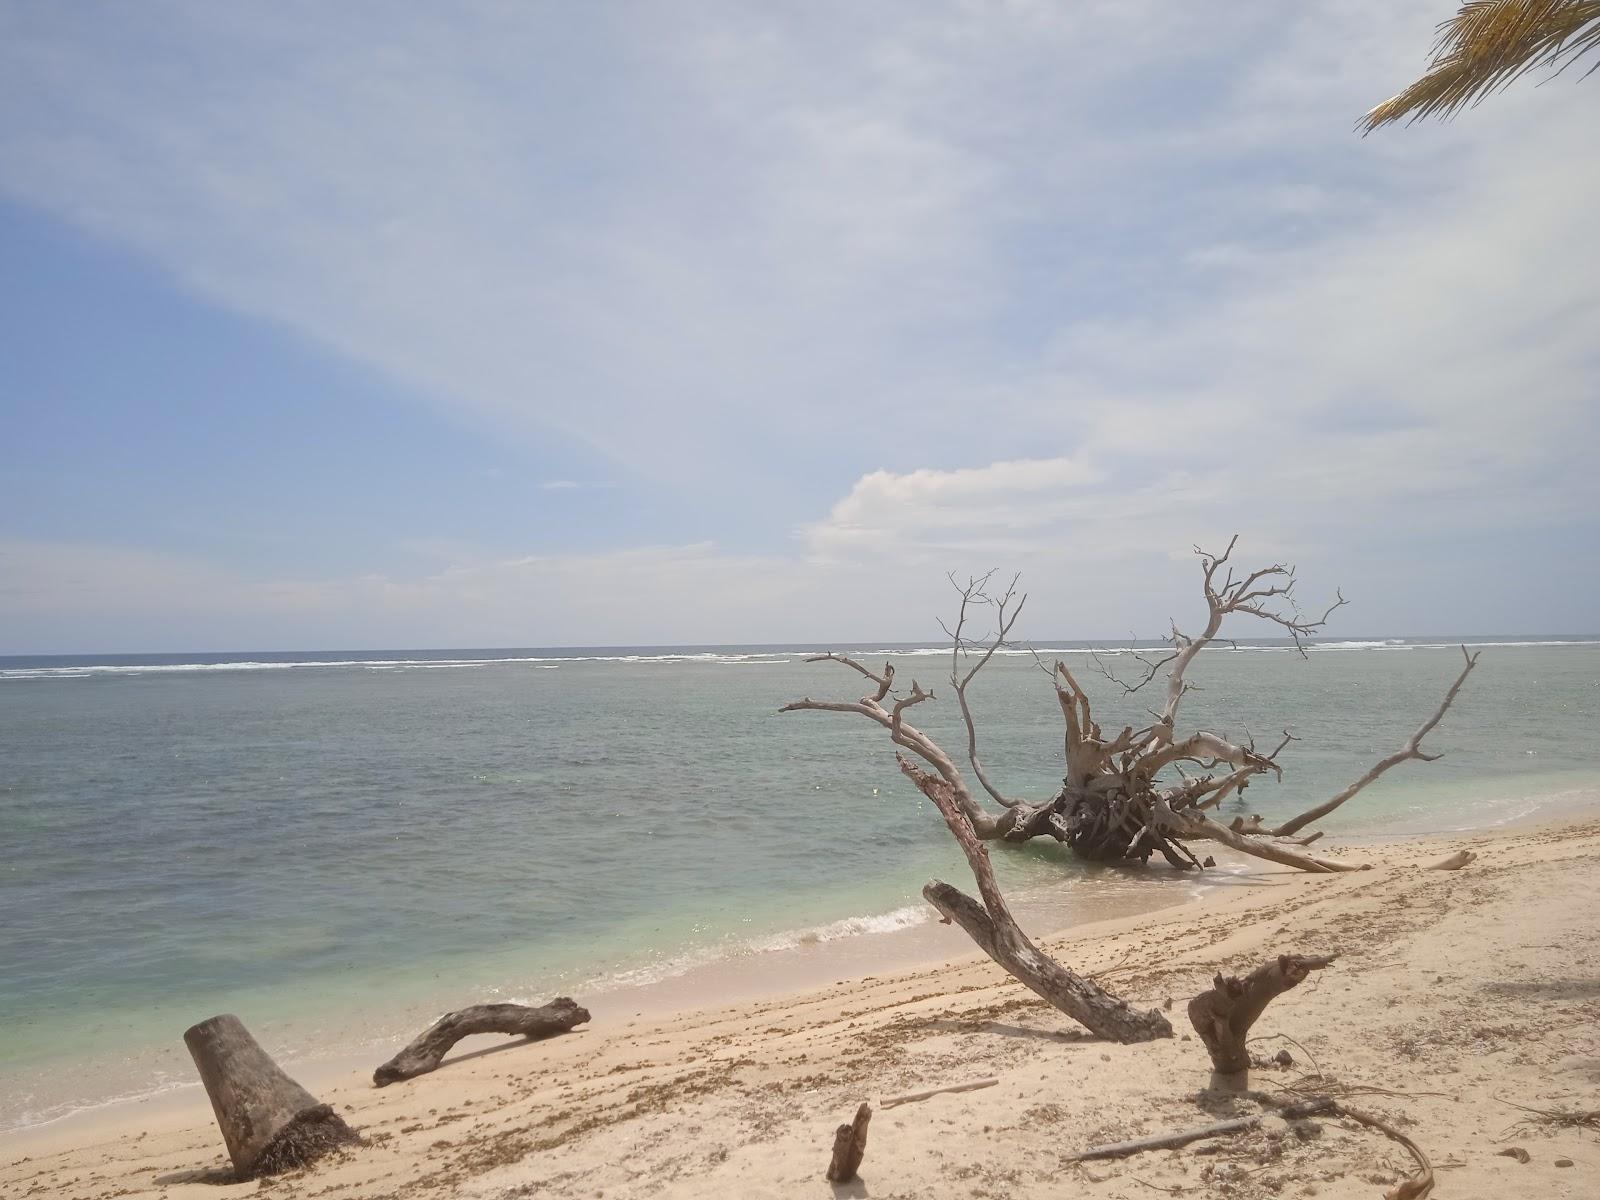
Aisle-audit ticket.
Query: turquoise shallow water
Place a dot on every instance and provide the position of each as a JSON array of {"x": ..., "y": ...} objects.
[{"x": 330, "y": 844}]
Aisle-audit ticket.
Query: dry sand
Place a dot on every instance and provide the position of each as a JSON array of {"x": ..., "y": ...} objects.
[{"x": 1456, "y": 996}]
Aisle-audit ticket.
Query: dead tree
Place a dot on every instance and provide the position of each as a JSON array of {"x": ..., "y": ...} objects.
[
  {"x": 269, "y": 1122},
  {"x": 1137, "y": 792}
]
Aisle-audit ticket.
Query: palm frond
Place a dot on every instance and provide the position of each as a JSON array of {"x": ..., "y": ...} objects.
[{"x": 1487, "y": 46}]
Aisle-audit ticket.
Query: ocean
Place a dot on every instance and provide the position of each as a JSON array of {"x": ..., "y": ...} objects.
[{"x": 339, "y": 845}]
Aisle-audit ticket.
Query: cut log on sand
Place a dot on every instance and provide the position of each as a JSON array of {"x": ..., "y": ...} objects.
[
  {"x": 1222, "y": 1016},
  {"x": 428, "y": 1050},
  {"x": 269, "y": 1122},
  {"x": 849, "y": 1146}
]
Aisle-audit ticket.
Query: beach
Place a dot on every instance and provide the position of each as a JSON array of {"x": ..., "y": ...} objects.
[{"x": 1456, "y": 997}]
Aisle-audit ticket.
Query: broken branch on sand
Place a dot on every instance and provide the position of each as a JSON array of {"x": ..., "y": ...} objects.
[
  {"x": 428, "y": 1050},
  {"x": 970, "y": 1086},
  {"x": 1182, "y": 1137}
]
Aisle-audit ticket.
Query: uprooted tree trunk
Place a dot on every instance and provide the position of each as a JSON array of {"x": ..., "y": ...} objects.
[
  {"x": 268, "y": 1121},
  {"x": 1223, "y": 1014},
  {"x": 432, "y": 1044},
  {"x": 1142, "y": 791}
]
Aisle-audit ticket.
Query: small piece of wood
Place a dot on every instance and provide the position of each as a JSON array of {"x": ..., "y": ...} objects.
[
  {"x": 428, "y": 1050},
  {"x": 1456, "y": 861},
  {"x": 268, "y": 1121},
  {"x": 849, "y": 1146},
  {"x": 1223, "y": 1015},
  {"x": 1419, "y": 1183},
  {"x": 970, "y": 1086},
  {"x": 1170, "y": 1141}
]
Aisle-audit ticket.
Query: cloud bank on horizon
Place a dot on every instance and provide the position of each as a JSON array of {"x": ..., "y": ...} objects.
[{"x": 634, "y": 324}]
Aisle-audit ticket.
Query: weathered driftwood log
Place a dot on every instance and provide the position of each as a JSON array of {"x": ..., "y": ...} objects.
[
  {"x": 269, "y": 1122},
  {"x": 428, "y": 1050},
  {"x": 992, "y": 926},
  {"x": 849, "y": 1146},
  {"x": 990, "y": 922},
  {"x": 1222, "y": 1015}
]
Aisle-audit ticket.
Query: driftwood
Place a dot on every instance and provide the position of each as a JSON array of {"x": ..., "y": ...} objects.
[
  {"x": 849, "y": 1145},
  {"x": 1418, "y": 1185},
  {"x": 428, "y": 1050},
  {"x": 988, "y": 922},
  {"x": 1130, "y": 794},
  {"x": 268, "y": 1121},
  {"x": 1171, "y": 1141},
  {"x": 970, "y": 1086},
  {"x": 1223, "y": 1014}
]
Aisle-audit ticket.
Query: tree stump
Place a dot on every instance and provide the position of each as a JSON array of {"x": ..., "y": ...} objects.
[
  {"x": 849, "y": 1146},
  {"x": 1222, "y": 1016},
  {"x": 268, "y": 1121},
  {"x": 432, "y": 1044}
]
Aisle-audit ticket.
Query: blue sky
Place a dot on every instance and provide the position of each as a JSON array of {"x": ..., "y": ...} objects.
[{"x": 377, "y": 325}]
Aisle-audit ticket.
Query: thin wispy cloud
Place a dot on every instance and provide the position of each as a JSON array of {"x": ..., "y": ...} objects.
[{"x": 872, "y": 293}]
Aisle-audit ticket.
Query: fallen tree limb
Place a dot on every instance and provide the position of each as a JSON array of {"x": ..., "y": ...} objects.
[
  {"x": 970, "y": 1086},
  {"x": 1416, "y": 1187},
  {"x": 1223, "y": 1014},
  {"x": 1170, "y": 1141},
  {"x": 428, "y": 1050},
  {"x": 849, "y": 1146},
  {"x": 992, "y": 926}
]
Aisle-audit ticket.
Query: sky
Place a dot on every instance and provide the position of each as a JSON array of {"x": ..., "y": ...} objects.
[{"x": 524, "y": 324}]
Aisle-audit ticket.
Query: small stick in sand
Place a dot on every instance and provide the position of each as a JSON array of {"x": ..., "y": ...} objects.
[
  {"x": 1420, "y": 1182},
  {"x": 970, "y": 1086},
  {"x": 1171, "y": 1141},
  {"x": 850, "y": 1146}
]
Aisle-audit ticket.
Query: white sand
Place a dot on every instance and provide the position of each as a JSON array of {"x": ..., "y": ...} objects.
[{"x": 1456, "y": 993}]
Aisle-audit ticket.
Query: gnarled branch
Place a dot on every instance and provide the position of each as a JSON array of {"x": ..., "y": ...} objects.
[
  {"x": 1411, "y": 750},
  {"x": 1222, "y": 1016}
]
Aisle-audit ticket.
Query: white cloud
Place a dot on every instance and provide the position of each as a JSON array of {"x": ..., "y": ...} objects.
[{"x": 1060, "y": 288}]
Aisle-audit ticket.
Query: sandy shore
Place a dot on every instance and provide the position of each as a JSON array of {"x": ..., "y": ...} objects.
[{"x": 1457, "y": 995}]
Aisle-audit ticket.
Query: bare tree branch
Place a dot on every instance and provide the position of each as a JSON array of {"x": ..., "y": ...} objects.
[
  {"x": 973, "y": 593},
  {"x": 1263, "y": 594},
  {"x": 1411, "y": 750}
]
